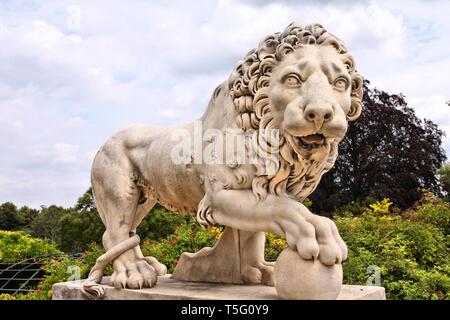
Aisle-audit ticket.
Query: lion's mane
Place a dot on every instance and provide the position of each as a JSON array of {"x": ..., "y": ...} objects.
[{"x": 295, "y": 176}]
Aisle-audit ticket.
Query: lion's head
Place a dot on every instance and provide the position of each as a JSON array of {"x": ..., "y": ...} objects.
[{"x": 303, "y": 83}]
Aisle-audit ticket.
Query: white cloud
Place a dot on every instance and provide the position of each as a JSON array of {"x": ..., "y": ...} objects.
[
  {"x": 75, "y": 122},
  {"x": 18, "y": 124},
  {"x": 90, "y": 155},
  {"x": 64, "y": 153},
  {"x": 434, "y": 108}
]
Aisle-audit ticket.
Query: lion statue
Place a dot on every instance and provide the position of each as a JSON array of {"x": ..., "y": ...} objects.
[{"x": 302, "y": 83}]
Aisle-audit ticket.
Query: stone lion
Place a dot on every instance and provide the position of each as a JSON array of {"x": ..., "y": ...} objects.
[{"x": 301, "y": 82}]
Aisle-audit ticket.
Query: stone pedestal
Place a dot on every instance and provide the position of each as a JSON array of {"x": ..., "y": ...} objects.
[{"x": 169, "y": 289}]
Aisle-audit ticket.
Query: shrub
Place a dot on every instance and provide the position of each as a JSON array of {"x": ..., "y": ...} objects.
[
  {"x": 355, "y": 208},
  {"x": 64, "y": 268},
  {"x": 16, "y": 246},
  {"x": 432, "y": 210},
  {"x": 307, "y": 203},
  {"x": 274, "y": 245},
  {"x": 188, "y": 237},
  {"x": 381, "y": 206},
  {"x": 412, "y": 254}
]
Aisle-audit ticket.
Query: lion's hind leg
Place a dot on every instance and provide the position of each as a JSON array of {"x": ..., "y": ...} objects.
[
  {"x": 117, "y": 198},
  {"x": 142, "y": 210}
]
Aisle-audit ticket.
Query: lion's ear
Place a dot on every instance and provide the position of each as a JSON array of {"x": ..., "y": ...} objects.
[
  {"x": 357, "y": 94},
  {"x": 355, "y": 109}
]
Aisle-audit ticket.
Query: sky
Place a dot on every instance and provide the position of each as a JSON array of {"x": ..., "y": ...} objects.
[{"x": 74, "y": 72}]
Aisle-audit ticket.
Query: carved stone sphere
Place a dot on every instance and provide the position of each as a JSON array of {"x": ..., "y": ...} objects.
[{"x": 299, "y": 279}]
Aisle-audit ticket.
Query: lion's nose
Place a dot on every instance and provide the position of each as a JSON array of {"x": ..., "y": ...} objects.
[{"x": 319, "y": 114}]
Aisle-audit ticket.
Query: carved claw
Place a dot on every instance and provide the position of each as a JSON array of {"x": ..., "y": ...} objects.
[
  {"x": 205, "y": 213},
  {"x": 92, "y": 290}
]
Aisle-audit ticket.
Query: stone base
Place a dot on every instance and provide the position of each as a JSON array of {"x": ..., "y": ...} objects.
[
  {"x": 207, "y": 265},
  {"x": 169, "y": 289}
]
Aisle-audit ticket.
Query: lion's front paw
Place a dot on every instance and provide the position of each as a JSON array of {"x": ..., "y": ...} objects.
[
  {"x": 316, "y": 237},
  {"x": 131, "y": 272},
  {"x": 332, "y": 248}
]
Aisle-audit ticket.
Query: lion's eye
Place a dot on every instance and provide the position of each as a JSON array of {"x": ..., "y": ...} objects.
[
  {"x": 340, "y": 84},
  {"x": 292, "y": 80}
]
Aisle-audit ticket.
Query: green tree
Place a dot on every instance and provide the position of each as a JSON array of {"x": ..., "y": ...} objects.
[
  {"x": 78, "y": 227},
  {"x": 159, "y": 223},
  {"x": 26, "y": 216},
  {"x": 444, "y": 177},
  {"x": 46, "y": 223},
  {"x": 86, "y": 202},
  {"x": 9, "y": 219},
  {"x": 81, "y": 225}
]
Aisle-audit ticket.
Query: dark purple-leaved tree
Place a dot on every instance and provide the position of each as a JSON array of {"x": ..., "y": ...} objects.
[{"x": 387, "y": 152}]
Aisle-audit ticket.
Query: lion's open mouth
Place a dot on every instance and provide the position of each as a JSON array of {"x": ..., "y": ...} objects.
[
  {"x": 313, "y": 146},
  {"x": 310, "y": 142}
]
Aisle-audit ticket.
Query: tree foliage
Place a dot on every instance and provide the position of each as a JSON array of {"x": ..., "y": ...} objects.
[
  {"x": 410, "y": 249},
  {"x": 387, "y": 153},
  {"x": 79, "y": 228},
  {"x": 444, "y": 177},
  {"x": 46, "y": 223},
  {"x": 159, "y": 223},
  {"x": 73, "y": 229},
  {"x": 9, "y": 219},
  {"x": 16, "y": 246},
  {"x": 81, "y": 225},
  {"x": 12, "y": 218},
  {"x": 25, "y": 216}
]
